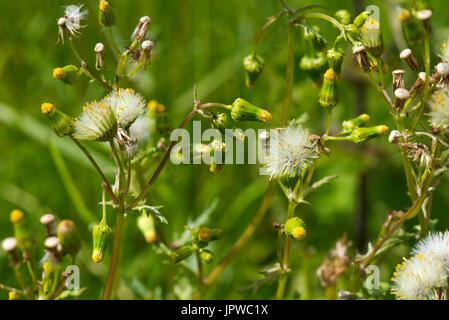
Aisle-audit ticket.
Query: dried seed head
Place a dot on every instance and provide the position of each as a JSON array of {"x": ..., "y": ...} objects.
[
  {"x": 394, "y": 136},
  {"x": 147, "y": 45},
  {"x": 99, "y": 56},
  {"x": 49, "y": 222},
  {"x": 362, "y": 58},
  {"x": 140, "y": 31},
  {"x": 398, "y": 79},
  {"x": 419, "y": 83},
  {"x": 9, "y": 244},
  {"x": 401, "y": 96},
  {"x": 424, "y": 16},
  {"x": 99, "y": 47},
  {"x": 407, "y": 56},
  {"x": 51, "y": 243}
]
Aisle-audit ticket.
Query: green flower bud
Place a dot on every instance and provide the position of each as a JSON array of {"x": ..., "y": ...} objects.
[
  {"x": 182, "y": 253},
  {"x": 207, "y": 256},
  {"x": 68, "y": 237},
  {"x": 372, "y": 39},
  {"x": 314, "y": 38},
  {"x": 253, "y": 65},
  {"x": 26, "y": 239},
  {"x": 68, "y": 74},
  {"x": 50, "y": 279},
  {"x": 335, "y": 58},
  {"x": 295, "y": 228},
  {"x": 222, "y": 122},
  {"x": 101, "y": 233},
  {"x": 315, "y": 65},
  {"x": 217, "y": 151},
  {"x": 361, "y": 18},
  {"x": 351, "y": 124},
  {"x": 158, "y": 113},
  {"x": 204, "y": 234},
  {"x": 361, "y": 135},
  {"x": 242, "y": 110},
  {"x": 329, "y": 97},
  {"x": 62, "y": 124},
  {"x": 106, "y": 15},
  {"x": 411, "y": 28},
  {"x": 343, "y": 16},
  {"x": 216, "y": 234},
  {"x": 146, "y": 226}
]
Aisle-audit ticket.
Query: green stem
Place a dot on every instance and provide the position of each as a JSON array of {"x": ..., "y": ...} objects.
[
  {"x": 115, "y": 256},
  {"x": 426, "y": 85},
  {"x": 329, "y": 120},
  {"x": 289, "y": 74},
  {"x": 244, "y": 237},
  {"x": 136, "y": 69},
  {"x": 323, "y": 16},
  {"x": 286, "y": 260},
  {"x": 89, "y": 70},
  {"x": 100, "y": 172},
  {"x": 113, "y": 42}
]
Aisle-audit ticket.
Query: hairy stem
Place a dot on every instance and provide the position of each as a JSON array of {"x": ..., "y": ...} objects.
[{"x": 115, "y": 256}]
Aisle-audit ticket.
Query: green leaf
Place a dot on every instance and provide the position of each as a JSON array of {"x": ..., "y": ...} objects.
[
  {"x": 144, "y": 208},
  {"x": 70, "y": 293}
]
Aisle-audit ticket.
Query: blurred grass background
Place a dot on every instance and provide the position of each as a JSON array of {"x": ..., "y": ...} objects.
[{"x": 198, "y": 41}]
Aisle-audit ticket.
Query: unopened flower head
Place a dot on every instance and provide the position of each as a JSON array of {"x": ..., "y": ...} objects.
[
  {"x": 71, "y": 21},
  {"x": 445, "y": 52},
  {"x": 439, "y": 104},
  {"x": 372, "y": 37},
  {"x": 419, "y": 278},
  {"x": 436, "y": 244},
  {"x": 290, "y": 151},
  {"x": 127, "y": 106},
  {"x": 97, "y": 123}
]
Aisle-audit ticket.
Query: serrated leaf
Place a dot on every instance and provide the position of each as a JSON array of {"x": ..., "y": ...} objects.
[{"x": 144, "y": 208}]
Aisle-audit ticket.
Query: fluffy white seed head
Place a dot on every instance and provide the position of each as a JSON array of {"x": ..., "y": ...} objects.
[
  {"x": 419, "y": 278},
  {"x": 439, "y": 104},
  {"x": 442, "y": 69},
  {"x": 73, "y": 16},
  {"x": 289, "y": 152},
  {"x": 436, "y": 244},
  {"x": 97, "y": 122},
  {"x": 127, "y": 106}
]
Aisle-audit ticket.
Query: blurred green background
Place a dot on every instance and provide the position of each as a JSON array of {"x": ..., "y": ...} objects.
[{"x": 200, "y": 41}]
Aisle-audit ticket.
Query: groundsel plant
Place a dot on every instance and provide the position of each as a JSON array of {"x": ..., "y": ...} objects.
[
  {"x": 120, "y": 116},
  {"x": 137, "y": 133},
  {"x": 421, "y": 150}
]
